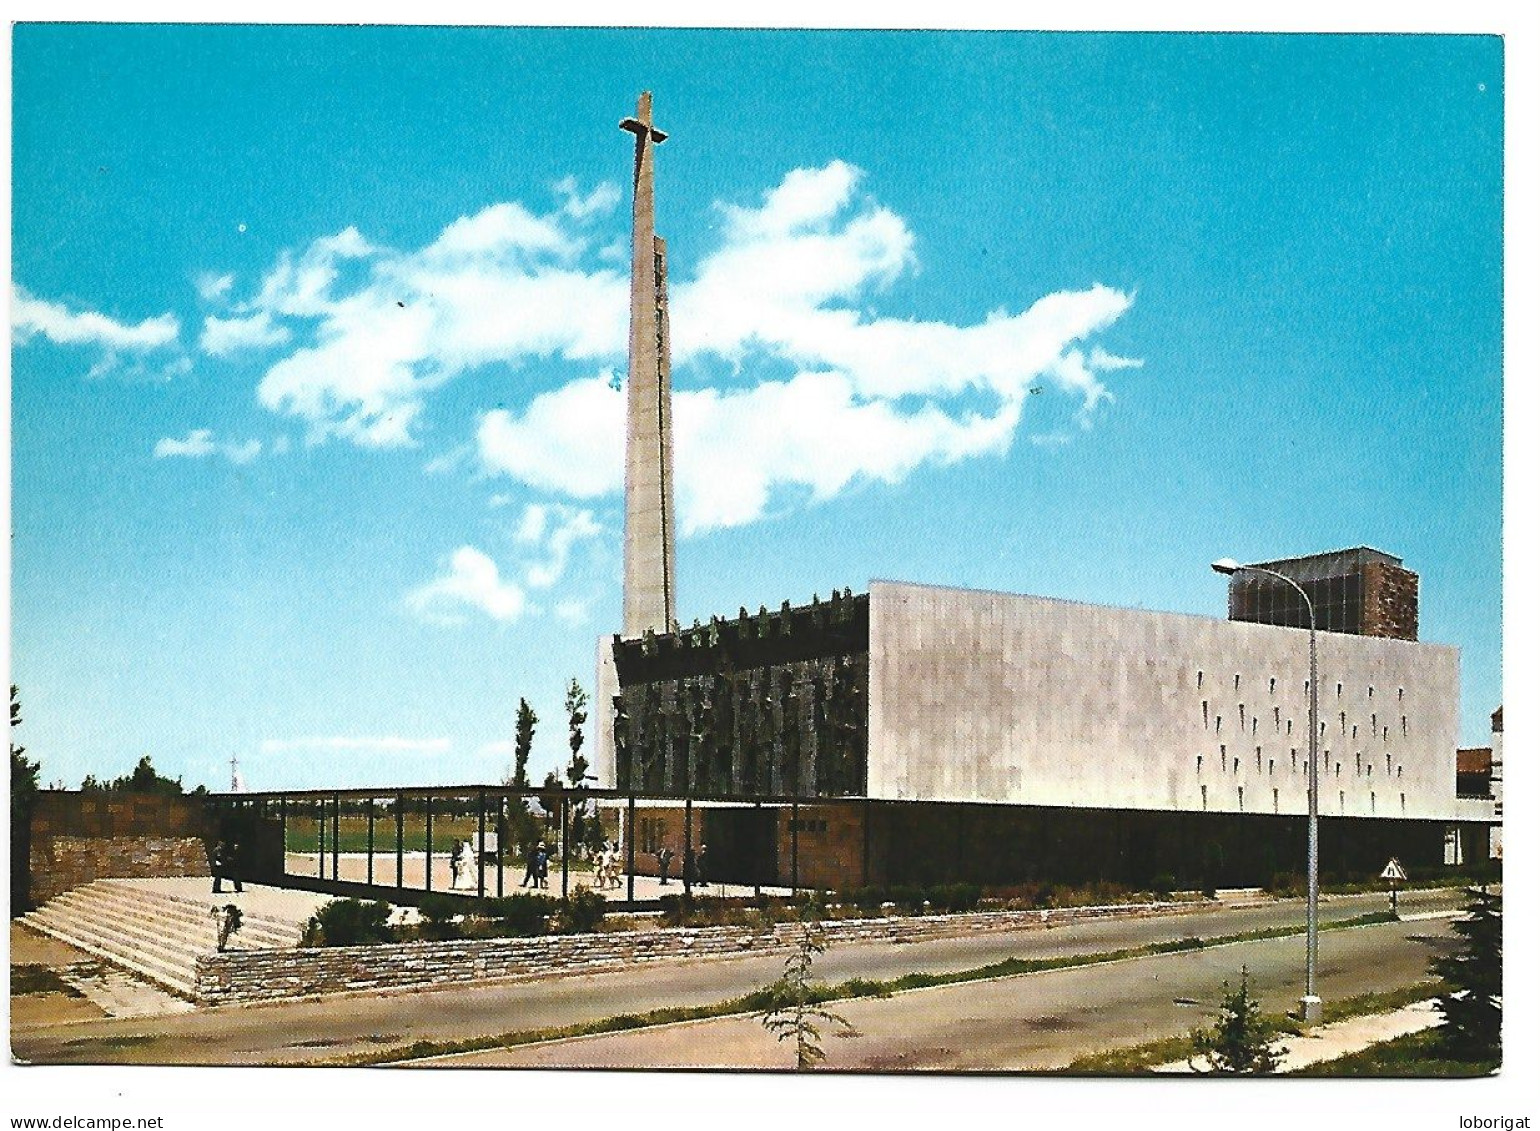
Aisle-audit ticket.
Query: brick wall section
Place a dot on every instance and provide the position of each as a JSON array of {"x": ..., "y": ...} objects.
[
  {"x": 274, "y": 975},
  {"x": 656, "y": 825},
  {"x": 1389, "y": 601},
  {"x": 829, "y": 846},
  {"x": 80, "y": 837}
]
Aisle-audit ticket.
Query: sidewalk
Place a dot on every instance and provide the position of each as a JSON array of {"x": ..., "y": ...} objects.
[{"x": 1340, "y": 1038}]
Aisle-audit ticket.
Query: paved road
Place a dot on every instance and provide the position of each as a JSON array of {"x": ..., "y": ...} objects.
[
  {"x": 301, "y": 1031},
  {"x": 1034, "y": 1022}
]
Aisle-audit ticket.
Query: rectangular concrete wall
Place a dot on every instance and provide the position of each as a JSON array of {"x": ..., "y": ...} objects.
[{"x": 979, "y": 696}]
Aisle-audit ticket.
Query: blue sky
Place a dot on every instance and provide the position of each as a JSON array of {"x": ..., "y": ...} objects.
[{"x": 316, "y": 442}]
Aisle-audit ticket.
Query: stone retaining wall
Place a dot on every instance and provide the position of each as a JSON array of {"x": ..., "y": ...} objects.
[
  {"x": 62, "y": 863},
  {"x": 78, "y": 837},
  {"x": 272, "y": 975}
]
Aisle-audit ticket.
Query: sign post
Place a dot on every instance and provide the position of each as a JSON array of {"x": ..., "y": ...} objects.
[{"x": 1395, "y": 874}]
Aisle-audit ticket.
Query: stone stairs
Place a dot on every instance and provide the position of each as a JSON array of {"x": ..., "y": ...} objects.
[{"x": 154, "y": 935}]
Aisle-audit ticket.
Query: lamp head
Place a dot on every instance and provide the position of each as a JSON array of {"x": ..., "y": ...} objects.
[{"x": 1226, "y": 566}]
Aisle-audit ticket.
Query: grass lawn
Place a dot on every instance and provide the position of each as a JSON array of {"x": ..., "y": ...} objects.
[
  {"x": 1137, "y": 1059},
  {"x": 1416, "y": 1054},
  {"x": 302, "y": 832}
]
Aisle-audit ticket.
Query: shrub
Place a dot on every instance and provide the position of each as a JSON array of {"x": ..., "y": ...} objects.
[
  {"x": 955, "y": 897},
  {"x": 1288, "y": 884},
  {"x": 521, "y": 915},
  {"x": 867, "y": 898},
  {"x": 1239, "y": 1042},
  {"x": 1163, "y": 884},
  {"x": 347, "y": 922},
  {"x": 583, "y": 912},
  {"x": 1473, "y": 1009},
  {"x": 439, "y": 913}
]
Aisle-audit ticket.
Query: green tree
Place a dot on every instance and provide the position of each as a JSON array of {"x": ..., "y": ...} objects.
[
  {"x": 551, "y": 801},
  {"x": 794, "y": 1008},
  {"x": 576, "y": 707},
  {"x": 1239, "y": 1042},
  {"x": 577, "y": 769},
  {"x": 1473, "y": 1005},
  {"x": 24, "y": 771},
  {"x": 24, "y": 790},
  {"x": 143, "y": 778},
  {"x": 523, "y": 742},
  {"x": 523, "y": 827}
]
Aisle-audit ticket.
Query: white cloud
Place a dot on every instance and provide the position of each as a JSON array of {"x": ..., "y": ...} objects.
[
  {"x": 494, "y": 287},
  {"x": 212, "y": 287},
  {"x": 815, "y": 434},
  {"x": 875, "y": 398},
  {"x": 549, "y": 532},
  {"x": 363, "y": 744},
  {"x": 471, "y": 580},
  {"x": 199, "y": 443},
  {"x": 224, "y": 336},
  {"x": 500, "y": 230},
  {"x": 31, "y": 316},
  {"x": 570, "y": 440},
  {"x": 558, "y": 528},
  {"x": 243, "y": 453},
  {"x": 580, "y": 207},
  {"x": 1101, "y": 359},
  {"x": 824, "y": 392}
]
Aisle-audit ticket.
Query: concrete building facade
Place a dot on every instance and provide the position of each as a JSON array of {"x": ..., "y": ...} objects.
[
  {"x": 934, "y": 733},
  {"x": 994, "y": 697}
]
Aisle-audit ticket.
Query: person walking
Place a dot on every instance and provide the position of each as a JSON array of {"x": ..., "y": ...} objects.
[
  {"x": 665, "y": 857},
  {"x": 531, "y": 868},
  {"x": 224, "y": 865},
  {"x": 542, "y": 865}
]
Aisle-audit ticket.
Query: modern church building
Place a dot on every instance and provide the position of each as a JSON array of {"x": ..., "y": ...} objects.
[{"x": 915, "y": 733}]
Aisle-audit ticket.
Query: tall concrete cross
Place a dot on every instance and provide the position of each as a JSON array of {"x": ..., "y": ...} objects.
[{"x": 649, "y": 550}]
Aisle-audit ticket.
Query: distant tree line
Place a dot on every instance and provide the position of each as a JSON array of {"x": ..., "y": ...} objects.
[{"x": 143, "y": 778}]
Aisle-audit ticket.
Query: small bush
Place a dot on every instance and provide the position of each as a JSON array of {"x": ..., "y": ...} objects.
[
  {"x": 347, "y": 922},
  {"x": 867, "y": 898},
  {"x": 583, "y": 913},
  {"x": 955, "y": 897},
  {"x": 1163, "y": 884},
  {"x": 1288, "y": 885},
  {"x": 521, "y": 915},
  {"x": 1239, "y": 1041},
  {"x": 439, "y": 913}
]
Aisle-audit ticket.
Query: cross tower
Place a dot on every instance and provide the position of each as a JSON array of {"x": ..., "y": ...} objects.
[{"x": 649, "y": 550}]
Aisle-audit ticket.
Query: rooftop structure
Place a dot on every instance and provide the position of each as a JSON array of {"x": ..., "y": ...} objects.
[{"x": 1362, "y": 591}]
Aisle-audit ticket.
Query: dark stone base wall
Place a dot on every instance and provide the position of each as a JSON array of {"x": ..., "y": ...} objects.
[
  {"x": 927, "y": 843},
  {"x": 1006, "y": 844}
]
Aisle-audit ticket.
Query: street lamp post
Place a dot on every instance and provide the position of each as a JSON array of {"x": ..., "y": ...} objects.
[{"x": 1310, "y": 1004}]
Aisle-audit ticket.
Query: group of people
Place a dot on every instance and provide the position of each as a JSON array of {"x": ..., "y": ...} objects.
[
  {"x": 607, "y": 867},
  {"x": 694, "y": 864},
  {"x": 537, "y": 867}
]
